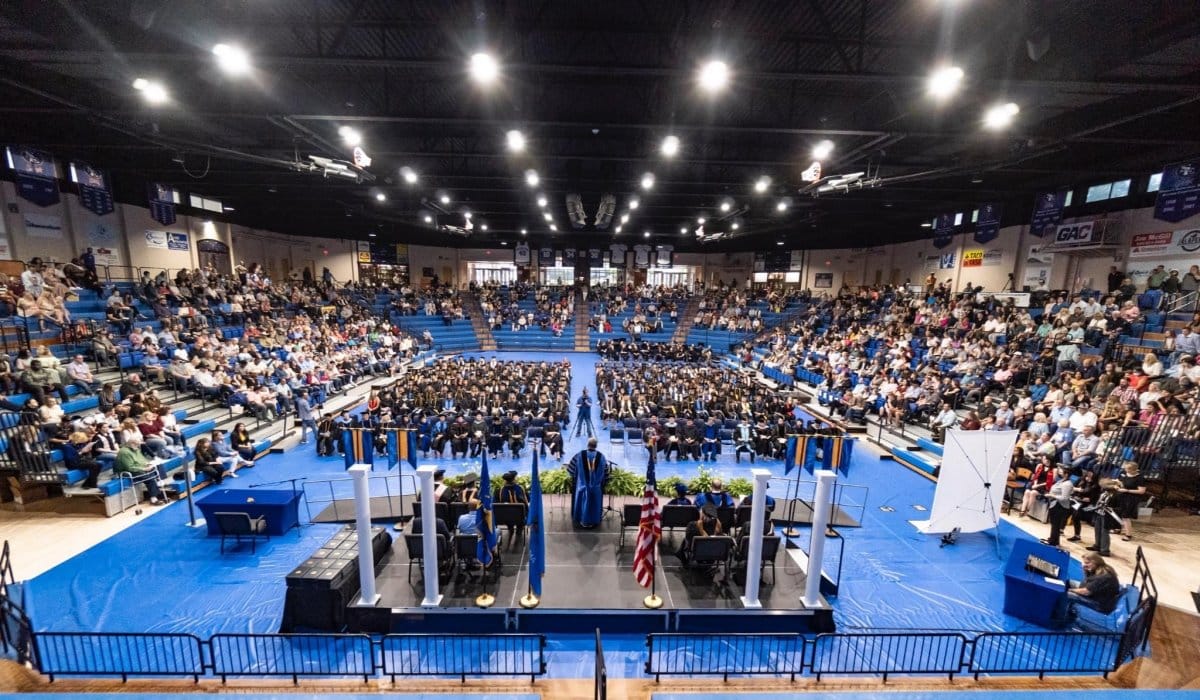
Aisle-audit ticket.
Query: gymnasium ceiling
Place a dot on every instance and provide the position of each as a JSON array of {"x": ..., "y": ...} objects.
[{"x": 1106, "y": 89}]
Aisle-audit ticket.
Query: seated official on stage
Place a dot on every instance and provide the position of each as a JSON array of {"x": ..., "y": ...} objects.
[
  {"x": 589, "y": 475},
  {"x": 681, "y": 497},
  {"x": 716, "y": 496}
]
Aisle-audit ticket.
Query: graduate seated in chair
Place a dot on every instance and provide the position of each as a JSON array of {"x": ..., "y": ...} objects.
[
  {"x": 707, "y": 525},
  {"x": 589, "y": 474},
  {"x": 681, "y": 497}
]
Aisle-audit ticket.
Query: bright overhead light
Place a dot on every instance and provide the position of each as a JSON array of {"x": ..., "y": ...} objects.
[
  {"x": 553, "y": 227},
  {"x": 646, "y": 234},
  {"x": 444, "y": 199},
  {"x": 927, "y": 224},
  {"x": 713, "y": 76},
  {"x": 726, "y": 206},
  {"x": 524, "y": 231},
  {"x": 648, "y": 181},
  {"x": 409, "y": 175},
  {"x": 633, "y": 203},
  {"x": 482, "y": 227},
  {"x": 683, "y": 229},
  {"x": 153, "y": 92},
  {"x": 701, "y": 220},
  {"x": 232, "y": 59},
  {"x": 670, "y": 146},
  {"x": 547, "y": 216},
  {"x": 944, "y": 82},
  {"x": 781, "y": 206},
  {"x": 428, "y": 219},
  {"x": 542, "y": 201},
  {"x": 822, "y": 150},
  {"x": 617, "y": 229},
  {"x": 515, "y": 141},
  {"x": 370, "y": 235},
  {"x": 466, "y": 214},
  {"x": 484, "y": 69},
  {"x": 350, "y": 136},
  {"x": 1000, "y": 116},
  {"x": 762, "y": 184},
  {"x": 380, "y": 197},
  {"x": 531, "y": 178},
  {"x": 778, "y": 242},
  {"x": 624, "y": 218},
  {"x": 735, "y": 226}
]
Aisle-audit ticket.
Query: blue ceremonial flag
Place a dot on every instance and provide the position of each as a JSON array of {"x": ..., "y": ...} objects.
[
  {"x": 359, "y": 447},
  {"x": 789, "y": 458},
  {"x": 537, "y": 535},
  {"x": 402, "y": 447},
  {"x": 484, "y": 521}
]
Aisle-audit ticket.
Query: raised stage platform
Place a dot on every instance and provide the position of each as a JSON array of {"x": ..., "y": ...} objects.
[{"x": 589, "y": 583}]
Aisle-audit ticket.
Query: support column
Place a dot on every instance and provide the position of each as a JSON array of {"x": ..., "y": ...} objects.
[
  {"x": 822, "y": 509},
  {"x": 758, "y": 511},
  {"x": 429, "y": 537},
  {"x": 362, "y": 518}
]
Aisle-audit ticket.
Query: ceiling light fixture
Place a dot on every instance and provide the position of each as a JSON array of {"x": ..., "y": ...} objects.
[
  {"x": 409, "y": 175},
  {"x": 701, "y": 220},
  {"x": 482, "y": 227},
  {"x": 735, "y": 226},
  {"x": 444, "y": 199},
  {"x": 428, "y": 219},
  {"x": 927, "y": 224},
  {"x": 542, "y": 201},
  {"x": 1000, "y": 116},
  {"x": 648, "y": 181},
  {"x": 232, "y": 59},
  {"x": 153, "y": 92},
  {"x": 726, "y": 205},
  {"x": 713, "y": 76},
  {"x": 547, "y": 216},
  {"x": 617, "y": 229},
  {"x": 553, "y": 227},
  {"x": 350, "y": 136},
  {"x": 762, "y": 184},
  {"x": 670, "y": 146},
  {"x": 624, "y": 218},
  {"x": 524, "y": 231},
  {"x": 822, "y": 150},
  {"x": 515, "y": 141},
  {"x": 944, "y": 82},
  {"x": 782, "y": 205},
  {"x": 683, "y": 229},
  {"x": 633, "y": 203},
  {"x": 380, "y": 197},
  {"x": 531, "y": 178},
  {"x": 484, "y": 69},
  {"x": 646, "y": 234}
]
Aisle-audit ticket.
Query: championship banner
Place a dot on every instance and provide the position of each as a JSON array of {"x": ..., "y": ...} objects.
[
  {"x": 616, "y": 254},
  {"x": 665, "y": 256},
  {"x": 162, "y": 203},
  {"x": 36, "y": 175},
  {"x": 94, "y": 192},
  {"x": 359, "y": 446},
  {"x": 545, "y": 257},
  {"x": 943, "y": 230},
  {"x": 595, "y": 257},
  {"x": 568, "y": 257},
  {"x": 972, "y": 258},
  {"x": 641, "y": 257},
  {"x": 1179, "y": 193},
  {"x": 1047, "y": 212},
  {"x": 987, "y": 227},
  {"x": 521, "y": 256},
  {"x": 1165, "y": 244}
]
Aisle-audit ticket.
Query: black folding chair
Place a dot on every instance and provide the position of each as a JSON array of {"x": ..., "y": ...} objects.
[
  {"x": 770, "y": 550},
  {"x": 415, "y": 543},
  {"x": 511, "y": 516},
  {"x": 631, "y": 518},
  {"x": 679, "y": 516},
  {"x": 238, "y": 525},
  {"x": 712, "y": 551}
]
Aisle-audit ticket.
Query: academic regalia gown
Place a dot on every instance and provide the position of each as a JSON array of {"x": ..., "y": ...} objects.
[{"x": 589, "y": 471}]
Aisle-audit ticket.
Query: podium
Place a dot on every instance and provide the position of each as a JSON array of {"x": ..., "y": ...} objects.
[{"x": 1031, "y": 595}]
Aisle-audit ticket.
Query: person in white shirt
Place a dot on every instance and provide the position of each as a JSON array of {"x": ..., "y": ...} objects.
[{"x": 81, "y": 375}]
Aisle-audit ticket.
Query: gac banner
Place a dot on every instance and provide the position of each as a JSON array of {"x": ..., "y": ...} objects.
[{"x": 1165, "y": 244}]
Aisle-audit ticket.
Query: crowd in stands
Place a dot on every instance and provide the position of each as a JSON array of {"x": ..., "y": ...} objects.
[
  {"x": 734, "y": 309},
  {"x": 647, "y": 306},
  {"x": 625, "y": 350},
  {"x": 552, "y": 308},
  {"x": 466, "y": 406}
]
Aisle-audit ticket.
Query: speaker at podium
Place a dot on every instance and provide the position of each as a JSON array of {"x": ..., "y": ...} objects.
[{"x": 1035, "y": 582}]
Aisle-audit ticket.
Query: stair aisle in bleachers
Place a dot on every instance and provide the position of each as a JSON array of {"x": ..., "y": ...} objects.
[
  {"x": 483, "y": 334},
  {"x": 582, "y": 331}
]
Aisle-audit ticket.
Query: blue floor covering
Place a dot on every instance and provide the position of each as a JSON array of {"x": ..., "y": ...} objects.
[
  {"x": 942, "y": 695},
  {"x": 286, "y": 696},
  {"x": 162, "y": 576}
]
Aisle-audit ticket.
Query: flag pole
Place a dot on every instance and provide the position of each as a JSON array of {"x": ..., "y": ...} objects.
[
  {"x": 485, "y": 599},
  {"x": 653, "y": 601},
  {"x": 792, "y": 530},
  {"x": 529, "y": 600}
]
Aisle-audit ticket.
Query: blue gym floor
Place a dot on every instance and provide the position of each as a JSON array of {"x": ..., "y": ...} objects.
[
  {"x": 162, "y": 576},
  {"x": 934, "y": 695}
]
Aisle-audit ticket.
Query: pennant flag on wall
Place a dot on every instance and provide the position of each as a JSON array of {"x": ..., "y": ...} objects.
[
  {"x": 1047, "y": 212},
  {"x": 36, "y": 175},
  {"x": 162, "y": 203},
  {"x": 988, "y": 225},
  {"x": 537, "y": 533},
  {"x": 94, "y": 192},
  {"x": 402, "y": 447},
  {"x": 1179, "y": 192},
  {"x": 359, "y": 446},
  {"x": 943, "y": 230}
]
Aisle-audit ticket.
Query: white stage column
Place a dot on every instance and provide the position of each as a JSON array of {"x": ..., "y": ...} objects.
[
  {"x": 429, "y": 538},
  {"x": 816, "y": 546},
  {"x": 758, "y": 507},
  {"x": 362, "y": 519}
]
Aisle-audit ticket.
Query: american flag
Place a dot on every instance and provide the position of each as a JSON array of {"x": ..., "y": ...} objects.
[{"x": 649, "y": 530}]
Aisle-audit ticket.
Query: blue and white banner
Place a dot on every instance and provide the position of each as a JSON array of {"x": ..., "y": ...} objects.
[
  {"x": 943, "y": 230},
  {"x": 95, "y": 194},
  {"x": 1179, "y": 193},
  {"x": 36, "y": 175},
  {"x": 987, "y": 227},
  {"x": 665, "y": 256},
  {"x": 521, "y": 254},
  {"x": 595, "y": 257},
  {"x": 545, "y": 257},
  {"x": 568, "y": 257},
  {"x": 616, "y": 254},
  {"x": 946, "y": 261},
  {"x": 162, "y": 203},
  {"x": 641, "y": 257},
  {"x": 1047, "y": 212},
  {"x": 177, "y": 241}
]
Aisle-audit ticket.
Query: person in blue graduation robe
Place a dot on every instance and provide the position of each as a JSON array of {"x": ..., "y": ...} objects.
[{"x": 589, "y": 474}]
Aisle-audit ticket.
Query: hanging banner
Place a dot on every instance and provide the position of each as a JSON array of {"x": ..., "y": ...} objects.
[
  {"x": 1037, "y": 268},
  {"x": 104, "y": 242},
  {"x": 1081, "y": 234},
  {"x": 568, "y": 257},
  {"x": 162, "y": 203},
  {"x": 595, "y": 257},
  {"x": 665, "y": 256},
  {"x": 521, "y": 256},
  {"x": 943, "y": 230},
  {"x": 545, "y": 257},
  {"x": 401, "y": 253},
  {"x": 42, "y": 225},
  {"x": 177, "y": 241},
  {"x": 1047, "y": 212},
  {"x": 641, "y": 257},
  {"x": 972, "y": 258},
  {"x": 1179, "y": 193},
  {"x": 36, "y": 175},
  {"x": 616, "y": 254},
  {"x": 95, "y": 194},
  {"x": 987, "y": 227},
  {"x": 1165, "y": 244}
]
